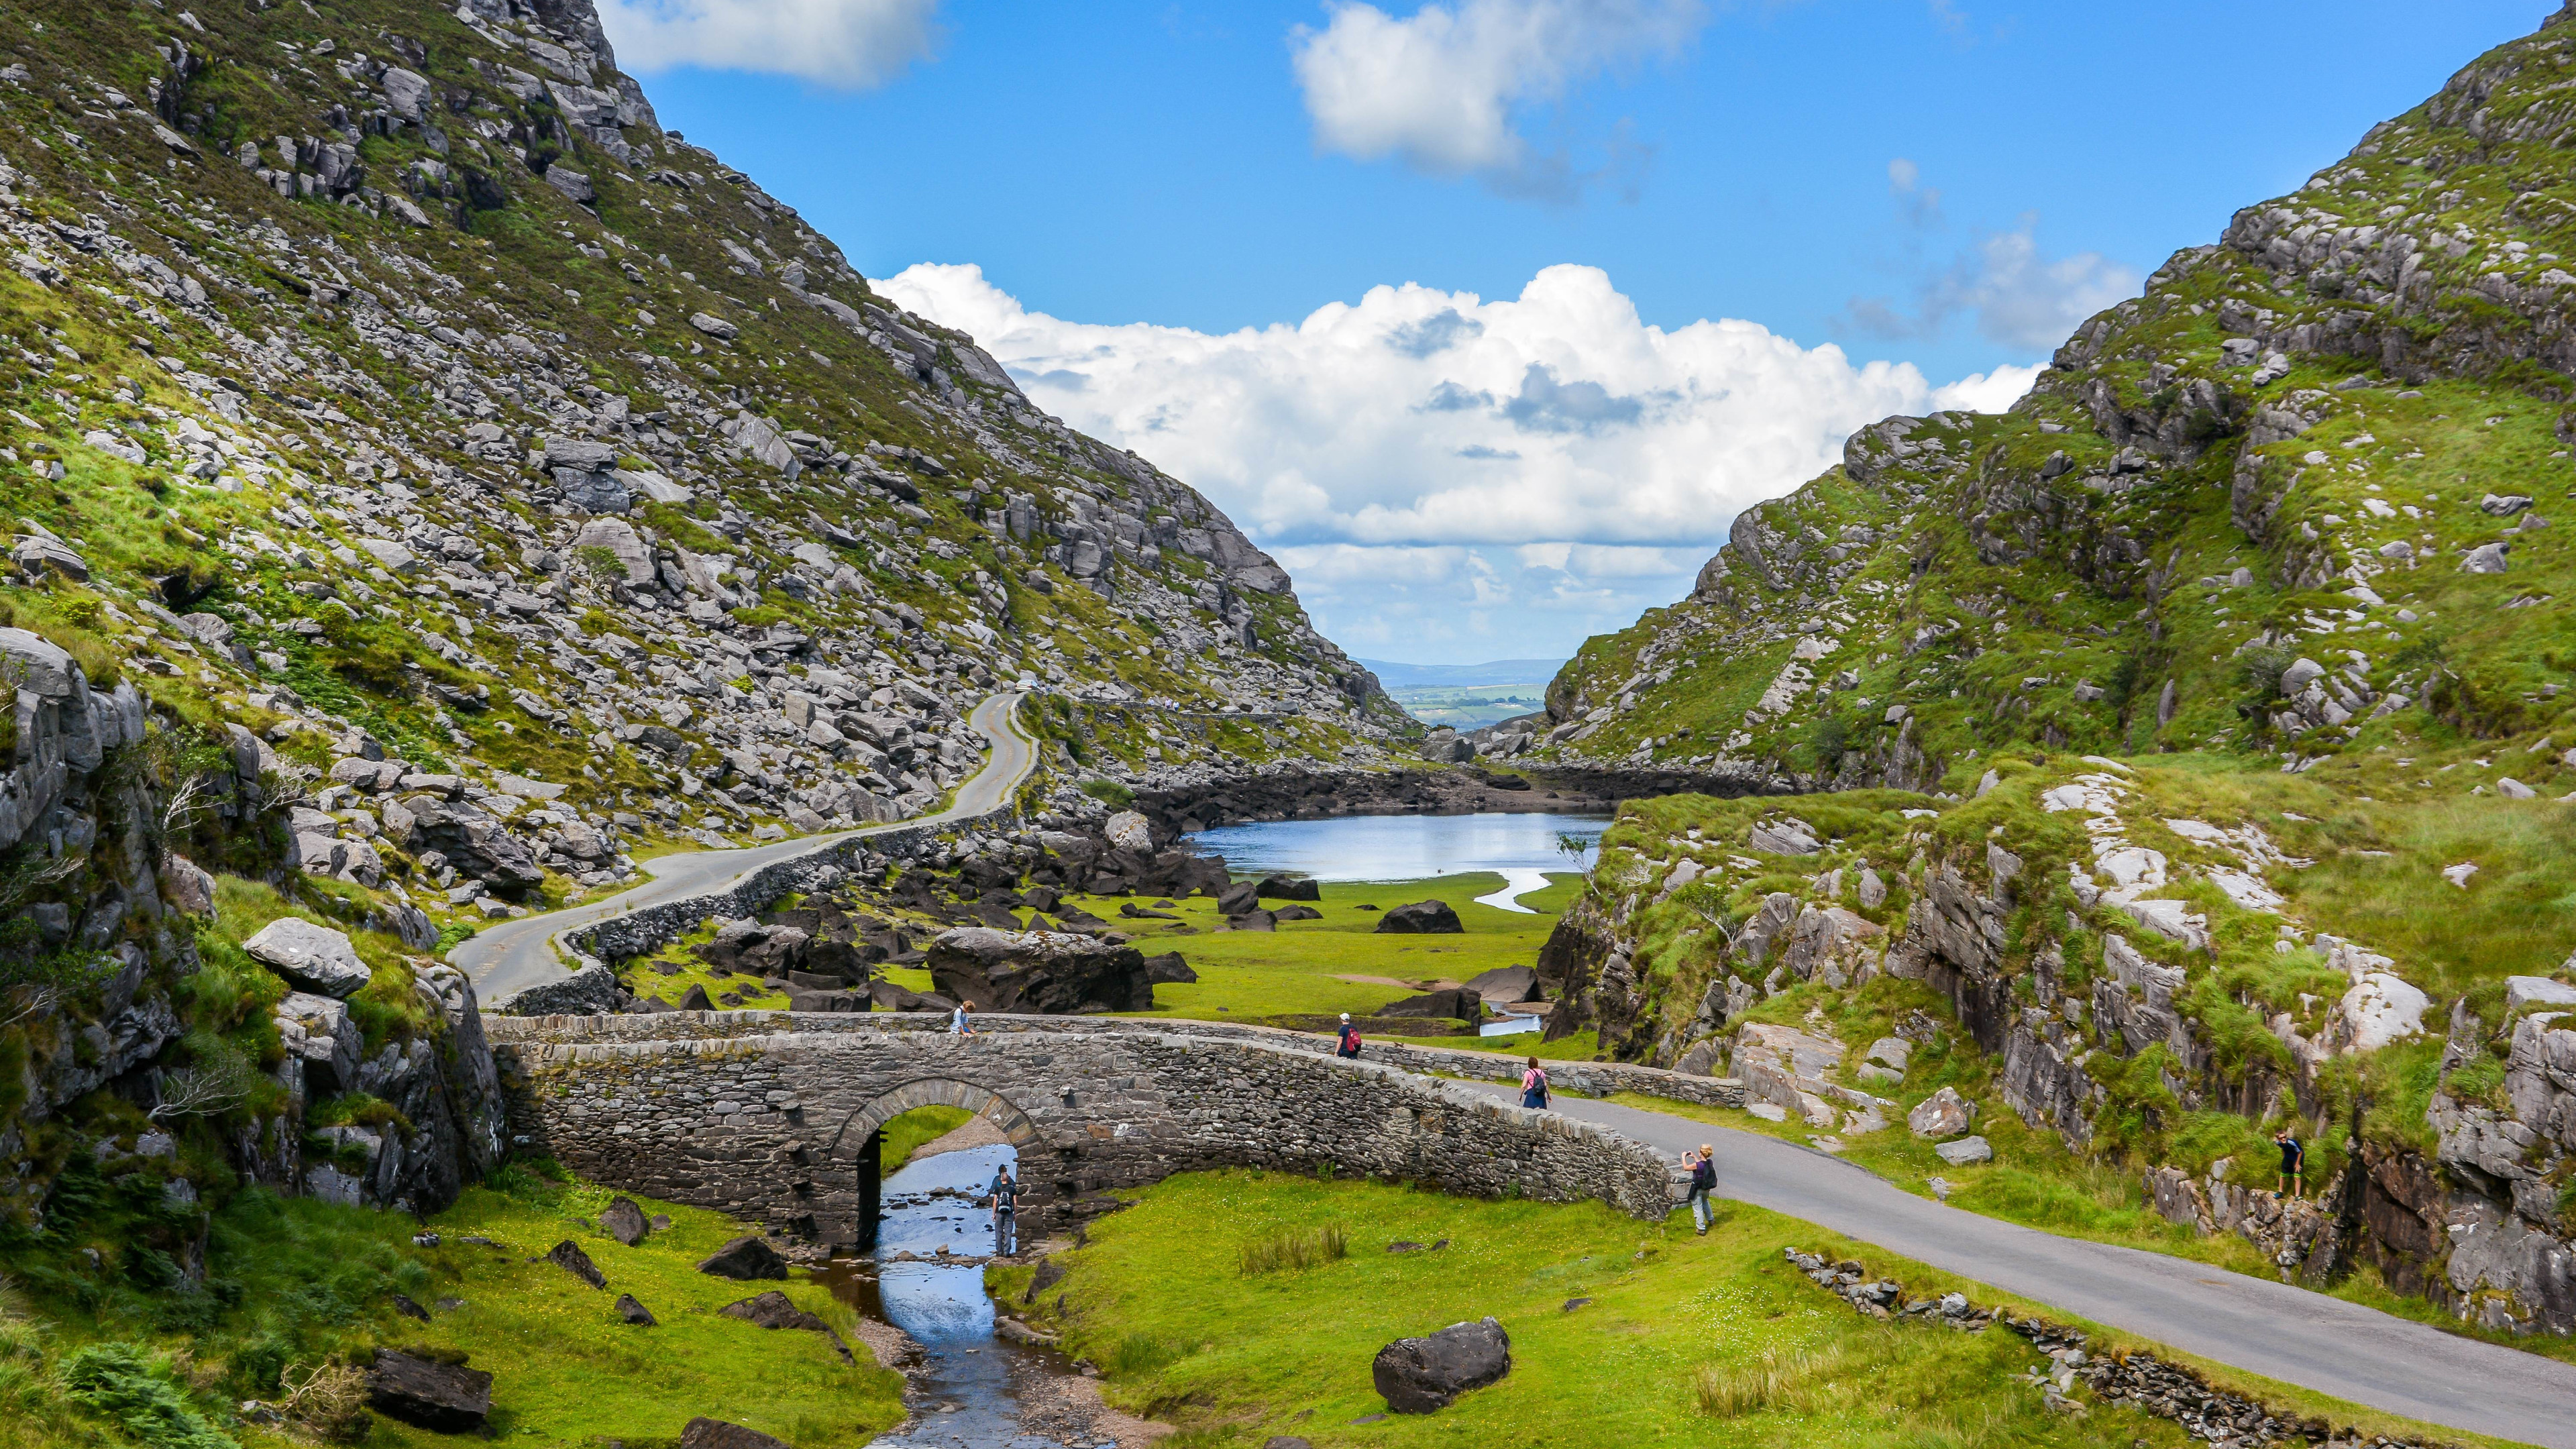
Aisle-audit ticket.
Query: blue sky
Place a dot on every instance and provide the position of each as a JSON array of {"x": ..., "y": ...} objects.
[{"x": 1156, "y": 199}]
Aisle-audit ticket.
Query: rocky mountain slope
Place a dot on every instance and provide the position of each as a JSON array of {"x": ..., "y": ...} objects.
[
  {"x": 2286, "y": 533},
  {"x": 386, "y": 383}
]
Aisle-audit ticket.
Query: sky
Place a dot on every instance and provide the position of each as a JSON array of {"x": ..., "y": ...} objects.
[{"x": 1487, "y": 317}]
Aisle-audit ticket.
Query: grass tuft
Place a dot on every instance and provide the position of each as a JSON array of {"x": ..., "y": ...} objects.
[{"x": 1292, "y": 1249}]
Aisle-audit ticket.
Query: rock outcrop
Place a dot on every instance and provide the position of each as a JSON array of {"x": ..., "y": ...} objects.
[{"x": 1046, "y": 972}]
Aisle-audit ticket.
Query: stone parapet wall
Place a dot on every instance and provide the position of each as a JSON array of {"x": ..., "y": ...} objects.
[
  {"x": 638, "y": 932},
  {"x": 1584, "y": 1079},
  {"x": 767, "y": 1120}
]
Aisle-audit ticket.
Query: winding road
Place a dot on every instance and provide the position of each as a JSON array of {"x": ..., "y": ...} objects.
[
  {"x": 517, "y": 954},
  {"x": 2273, "y": 1329},
  {"x": 2263, "y": 1327}
]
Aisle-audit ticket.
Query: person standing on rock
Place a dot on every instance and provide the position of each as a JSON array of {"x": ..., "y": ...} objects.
[
  {"x": 1005, "y": 1197},
  {"x": 1703, "y": 1181},
  {"x": 2294, "y": 1164},
  {"x": 1534, "y": 1085},
  {"x": 1348, "y": 1044}
]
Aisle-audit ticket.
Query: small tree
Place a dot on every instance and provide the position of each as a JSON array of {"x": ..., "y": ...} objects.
[{"x": 218, "y": 1078}]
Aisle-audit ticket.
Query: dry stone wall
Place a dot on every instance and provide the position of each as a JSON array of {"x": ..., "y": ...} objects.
[{"x": 764, "y": 1115}]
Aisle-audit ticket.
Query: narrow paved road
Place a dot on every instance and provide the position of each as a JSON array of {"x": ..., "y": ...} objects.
[
  {"x": 2258, "y": 1325},
  {"x": 516, "y": 954}
]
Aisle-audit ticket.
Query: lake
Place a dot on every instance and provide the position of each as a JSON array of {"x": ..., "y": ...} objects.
[{"x": 1520, "y": 848}]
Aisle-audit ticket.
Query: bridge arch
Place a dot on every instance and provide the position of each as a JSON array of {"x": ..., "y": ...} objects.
[{"x": 857, "y": 1142}]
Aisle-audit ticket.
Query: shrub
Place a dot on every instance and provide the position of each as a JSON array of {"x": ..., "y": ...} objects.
[
  {"x": 117, "y": 1380},
  {"x": 1109, "y": 792}
]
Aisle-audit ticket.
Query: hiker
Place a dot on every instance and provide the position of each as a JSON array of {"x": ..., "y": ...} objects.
[
  {"x": 2294, "y": 1163},
  {"x": 1348, "y": 1044},
  {"x": 1534, "y": 1085},
  {"x": 1005, "y": 1196},
  {"x": 1703, "y": 1181},
  {"x": 961, "y": 1022}
]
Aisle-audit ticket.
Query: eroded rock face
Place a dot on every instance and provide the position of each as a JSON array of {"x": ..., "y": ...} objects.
[
  {"x": 1788, "y": 1068},
  {"x": 1421, "y": 1375},
  {"x": 1051, "y": 973}
]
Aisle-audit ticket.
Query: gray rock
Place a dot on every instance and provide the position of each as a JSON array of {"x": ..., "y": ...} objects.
[
  {"x": 624, "y": 1221},
  {"x": 1943, "y": 1114},
  {"x": 317, "y": 1032},
  {"x": 1788, "y": 837},
  {"x": 1507, "y": 985},
  {"x": 635, "y": 1313},
  {"x": 447, "y": 1398},
  {"x": 1051, "y": 973},
  {"x": 1421, "y": 1375},
  {"x": 717, "y": 1434},
  {"x": 2300, "y": 675},
  {"x": 2486, "y": 558},
  {"x": 1169, "y": 969},
  {"x": 573, "y": 184},
  {"x": 312, "y": 958},
  {"x": 745, "y": 1258},
  {"x": 2522, "y": 991},
  {"x": 714, "y": 326},
  {"x": 36, "y": 557},
  {"x": 568, "y": 1256},
  {"x": 1965, "y": 1151},
  {"x": 1285, "y": 888},
  {"x": 1421, "y": 918}
]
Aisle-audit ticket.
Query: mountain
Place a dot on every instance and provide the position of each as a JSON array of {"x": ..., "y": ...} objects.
[
  {"x": 386, "y": 381},
  {"x": 1462, "y": 676},
  {"x": 2180, "y": 755}
]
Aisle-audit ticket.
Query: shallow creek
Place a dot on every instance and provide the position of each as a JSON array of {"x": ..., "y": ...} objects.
[{"x": 970, "y": 1389}]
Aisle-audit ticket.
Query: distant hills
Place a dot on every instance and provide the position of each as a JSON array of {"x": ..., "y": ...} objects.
[{"x": 1463, "y": 676}]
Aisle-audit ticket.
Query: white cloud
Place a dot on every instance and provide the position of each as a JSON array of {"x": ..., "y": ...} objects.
[
  {"x": 1442, "y": 90},
  {"x": 1988, "y": 392},
  {"x": 1420, "y": 455},
  {"x": 2023, "y": 299},
  {"x": 844, "y": 44}
]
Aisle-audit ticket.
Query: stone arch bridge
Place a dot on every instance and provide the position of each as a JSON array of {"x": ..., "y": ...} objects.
[{"x": 774, "y": 1116}]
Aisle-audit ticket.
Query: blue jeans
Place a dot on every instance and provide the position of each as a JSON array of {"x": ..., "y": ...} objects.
[{"x": 1701, "y": 1213}]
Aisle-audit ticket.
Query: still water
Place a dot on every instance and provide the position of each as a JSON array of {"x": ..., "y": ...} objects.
[{"x": 1520, "y": 848}]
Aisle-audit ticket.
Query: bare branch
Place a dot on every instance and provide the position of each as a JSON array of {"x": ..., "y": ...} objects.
[{"x": 220, "y": 1081}]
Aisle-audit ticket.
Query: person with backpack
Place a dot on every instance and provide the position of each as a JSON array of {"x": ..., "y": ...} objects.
[
  {"x": 1348, "y": 1043},
  {"x": 961, "y": 1022},
  {"x": 1703, "y": 1181},
  {"x": 1005, "y": 1197},
  {"x": 2294, "y": 1162},
  {"x": 1534, "y": 1085}
]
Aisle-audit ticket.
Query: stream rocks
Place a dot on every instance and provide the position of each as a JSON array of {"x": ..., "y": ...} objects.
[
  {"x": 1047, "y": 972},
  {"x": 1422, "y": 1375}
]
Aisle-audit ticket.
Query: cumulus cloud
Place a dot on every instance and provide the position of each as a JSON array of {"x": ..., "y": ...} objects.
[
  {"x": 1445, "y": 89},
  {"x": 844, "y": 44},
  {"x": 1439, "y": 469}
]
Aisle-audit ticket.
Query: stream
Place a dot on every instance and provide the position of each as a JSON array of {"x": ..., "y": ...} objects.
[{"x": 970, "y": 1389}]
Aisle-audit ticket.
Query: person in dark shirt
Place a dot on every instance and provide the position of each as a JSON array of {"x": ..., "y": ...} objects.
[
  {"x": 1703, "y": 1181},
  {"x": 1005, "y": 1197},
  {"x": 1348, "y": 1044},
  {"x": 2294, "y": 1164}
]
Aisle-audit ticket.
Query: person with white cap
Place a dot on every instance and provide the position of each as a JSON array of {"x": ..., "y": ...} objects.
[{"x": 1349, "y": 1043}]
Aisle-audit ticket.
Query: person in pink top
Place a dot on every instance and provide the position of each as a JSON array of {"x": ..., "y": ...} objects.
[{"x": 1534, "y": 1085}]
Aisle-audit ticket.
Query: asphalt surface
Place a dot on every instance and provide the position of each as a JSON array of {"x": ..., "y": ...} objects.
[
  {"x": 512, "y": 955},
  {"x": 2254, "y": 1324}
]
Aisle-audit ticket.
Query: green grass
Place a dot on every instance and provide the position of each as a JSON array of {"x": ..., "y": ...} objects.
[
  {"x": 914, "y": 1129},
  {"x": 1684, "y": 1340}
]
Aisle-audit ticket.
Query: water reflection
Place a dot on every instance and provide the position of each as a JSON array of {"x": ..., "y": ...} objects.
[
  {"x": 966, "y": 1392},
  {"x": 1403, "y": 847}
]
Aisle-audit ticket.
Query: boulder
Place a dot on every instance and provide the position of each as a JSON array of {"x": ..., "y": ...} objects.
[
  {"x": 1421, "y": 918},
  {"x": 1240, "y": 898},
  {"x": 1283, "y": 888},
  {"x": 1506, "y": 985},
  {"x": 568, "y": 1256},
  {"x": 831, "y": 1002},
  {"x": 745, "y": 1258},
  {"x": 1169, "y": 969},
  {"x": 624, "y": 1221},
  {"x": 2522, "y": 991},
  {"x": 1456, "y": 1002},
  {"x": 311, "y": 958},
  {"x": 1786, "y": 837},
  {"x": 1943, "y": 1114},
  {"x": 1419, "y": 1375},
  {"x": 317, "y": 1032},
  {"x": 1965, "y": 1151},
  {"x": 635, "y": 1313},
  {"x": 717, "y": 1434},
  {"x": 590, "y": 991},
  {"x": 1049, "y": 973},
  {"x": 446, "y": 1398},
  {"x": 1128, "y": 830},
  {"x": 774, "y": 1309},
  {"x": 886, "y": 996},
  {"x": 1252, "y": 921},
  {"x": 187, "y": 887},
  {"x": 1296, "y": 913}
]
